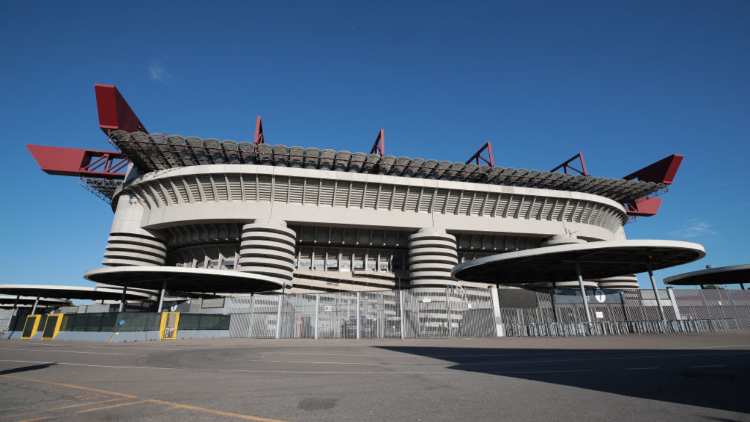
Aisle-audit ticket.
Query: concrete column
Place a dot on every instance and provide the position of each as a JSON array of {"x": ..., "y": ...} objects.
[
  {"x": 161, "y": 296},
  {"x": 583, "y": 293},
  {"x": 268, "y": 248},
  {"x": 499, "y": 327},
  {"x": 401, "y": 310},
  {"x": 357, "y": 316},
  {"x": 317, "y": 313},
  {"x": 123, "y": 301},
  {"x": 33, "y": 309},
  {"x": 432, "y": 256},
  {"x": 656, "y": 295},
  {"x": 278, "y": 316},
  {"x": 129, "y": 244},
  {"x": 670, "y": 292},
  {"x": 552, "y": 300}
]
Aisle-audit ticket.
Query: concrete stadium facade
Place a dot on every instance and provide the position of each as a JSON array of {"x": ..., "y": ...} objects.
[{"x": 315, "y": 229}]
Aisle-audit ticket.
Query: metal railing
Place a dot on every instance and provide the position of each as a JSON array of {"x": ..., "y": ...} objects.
[{"x": 459, "y": 312}]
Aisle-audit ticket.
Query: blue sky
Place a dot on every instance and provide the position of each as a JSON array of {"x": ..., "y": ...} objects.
[{"x": 626, "y": 83}]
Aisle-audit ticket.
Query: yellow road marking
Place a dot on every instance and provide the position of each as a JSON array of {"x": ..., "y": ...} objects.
[
  {"x": 213, "y": 411},
  {"x": 69, "y": 406},
  {"x": 175, "y": 405},
  {"x": 41, "y": 418},
  {"x": 73, "y": 386},
  {"x": 127, "y": 403}
]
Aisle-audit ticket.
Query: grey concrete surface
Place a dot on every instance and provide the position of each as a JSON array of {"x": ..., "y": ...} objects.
[{"x": 685, "y": 378}]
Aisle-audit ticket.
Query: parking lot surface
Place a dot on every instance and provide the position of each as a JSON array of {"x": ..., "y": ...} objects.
[{"x": 685, "y": 378}]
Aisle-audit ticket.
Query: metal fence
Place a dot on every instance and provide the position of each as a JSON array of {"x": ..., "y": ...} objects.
[{"x": 463, "y": 312}]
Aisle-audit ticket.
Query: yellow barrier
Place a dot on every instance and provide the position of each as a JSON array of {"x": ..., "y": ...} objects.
[
  {"x": 29, "y": 331},
  {"x": 168, "y": 325},
  {"x": 52, "y": 326}
]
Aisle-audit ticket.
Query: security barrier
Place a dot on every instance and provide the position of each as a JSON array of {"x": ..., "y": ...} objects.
[
  {"x": 52, "y": 326},
  {"x": 31, "y": 326}
]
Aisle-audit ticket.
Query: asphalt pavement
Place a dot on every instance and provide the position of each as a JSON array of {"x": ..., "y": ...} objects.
[{"x": 685, "y": 378}]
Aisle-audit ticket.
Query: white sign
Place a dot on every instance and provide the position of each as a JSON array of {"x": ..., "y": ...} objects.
[
  {"x": 599, "y": 315},
  {"x": 426, "y": 300},
  {"x": 600, "y": 296}
]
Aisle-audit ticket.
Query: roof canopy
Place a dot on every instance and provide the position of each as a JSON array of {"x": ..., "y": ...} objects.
[
  {"x": 181, "y": 279},
  {"x": 596, "y": 259},
  {"x": 733, "y": 274},
  {"x": 69, "y": 292},
  {"x": 152, "y": 152},
  {"x": 10, "y": 300}
]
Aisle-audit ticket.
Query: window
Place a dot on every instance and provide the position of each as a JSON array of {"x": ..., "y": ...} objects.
[
  {"x": 345, "y": 263},
  {"x": 318, "y": 261},
  {"x": 304, "y": 261},
  {"x": 372, "y": 262},
  {"x": 383, "y": 262},
  {"x": 358, "y": 261},
  {"x": 332, "y": 260}
]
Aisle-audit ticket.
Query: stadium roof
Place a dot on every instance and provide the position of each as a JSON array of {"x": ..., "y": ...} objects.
[
  {"x": 733, "y": 274},
  {"x": 70, "y": 292},
  {"x": 11, "y": 300},
  {"x": 152, "y": 152},
  {"x": 181, "y": 279},
  {"x": 596, "y": 259}
]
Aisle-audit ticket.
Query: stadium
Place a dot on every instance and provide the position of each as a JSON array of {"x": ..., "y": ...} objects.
[{"x": 250, "y": 223}]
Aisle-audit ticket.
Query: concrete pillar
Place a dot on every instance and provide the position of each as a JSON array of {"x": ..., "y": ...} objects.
[
  {"x": 33, "y": 309},
  {"x": 123, "y": 301},
  {"x": 357, "y": 316},
  {"x": 161, "y": 296},
  {"x": 268, "y": 248},
  {"x": 401, "y": 311},
  {"x": 129, "y": 244},
  {"x": 432, "y": 256},
  {"x": 278, "y": 316},
  {"x": 656, "y": 295},
  {"x": 677, "y": 315},
  {"x": 317, "y": 313},
  {"x": 499, "y": 326},
  {"x": 583, "y": 293}
]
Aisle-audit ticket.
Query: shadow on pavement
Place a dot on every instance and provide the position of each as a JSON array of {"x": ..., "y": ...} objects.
[
  {"x": 26, "y": 368},
  {"x": 709, "y": 378}
]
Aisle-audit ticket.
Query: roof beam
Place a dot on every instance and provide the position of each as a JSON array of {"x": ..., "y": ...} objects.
[{"x": 114, "y": 112}]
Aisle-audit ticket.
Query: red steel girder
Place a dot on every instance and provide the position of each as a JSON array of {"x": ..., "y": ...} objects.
[
  {"x": 644, "y": 207},
  {"x": 488, "y": 157},
  {"x": 64, "y": 161},
  {"x": 566, "y": 165},
  {"x": 114, "y": 111},
  {"x": 662, "y": 171},
  {"x": 259, "y": 137},
  {"x": 378, "y": 147}
]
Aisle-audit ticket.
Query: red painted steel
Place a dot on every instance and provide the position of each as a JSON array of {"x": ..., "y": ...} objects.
[
  {"x": 565, "y": 165},
  {"x": 662, "y": 171},
  {"x": 478, "y": 158},
  {"x": 259, "y": 137},
  {"x": 63, "y": 161},
  {"x": 114, "y": 111},
  {"x": 378, "y": 147},
  {"x": 644, "y": 207}
]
